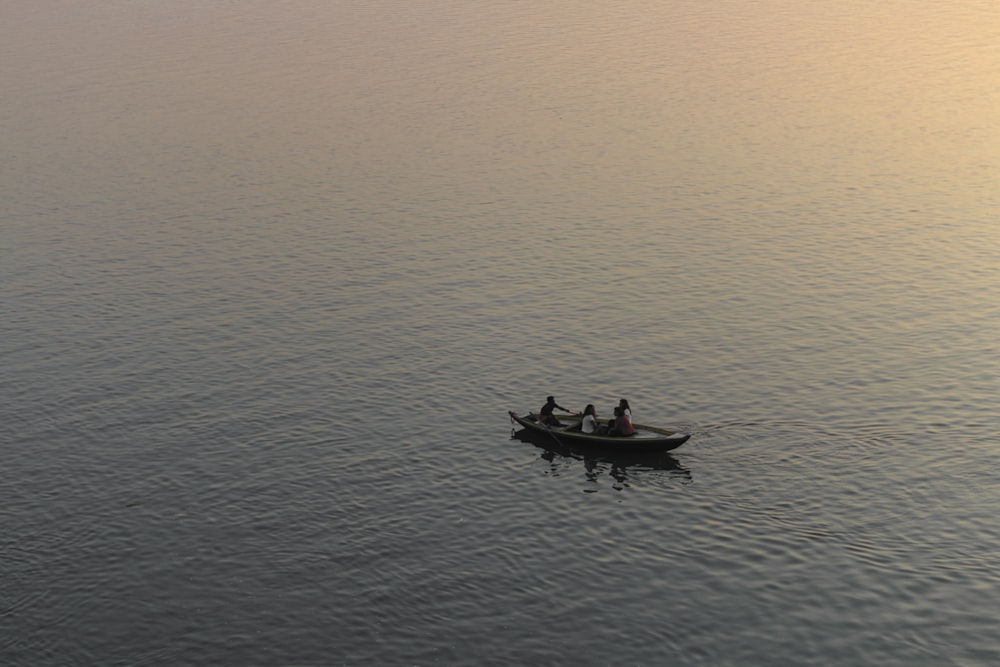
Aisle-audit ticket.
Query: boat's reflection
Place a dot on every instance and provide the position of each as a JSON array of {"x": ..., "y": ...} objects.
[{"x": 598, "y": 462}]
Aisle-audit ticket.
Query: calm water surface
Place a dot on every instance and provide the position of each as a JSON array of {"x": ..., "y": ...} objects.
[{"x": 272, "y": 273}]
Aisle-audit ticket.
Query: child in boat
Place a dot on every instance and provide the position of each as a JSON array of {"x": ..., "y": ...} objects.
[{"x": 623, "y": 425}]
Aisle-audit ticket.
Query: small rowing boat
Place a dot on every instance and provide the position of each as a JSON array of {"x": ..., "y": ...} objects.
[{"x": 646, "y": 438}]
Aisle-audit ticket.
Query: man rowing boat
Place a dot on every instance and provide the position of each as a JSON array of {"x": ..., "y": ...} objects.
[{"x": 545, "y": 415}]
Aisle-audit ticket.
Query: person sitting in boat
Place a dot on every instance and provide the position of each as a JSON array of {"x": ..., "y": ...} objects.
[
  {"x": 623, "y": 424},
  {"x": 589, "y": 422},
  {"x": 624, "y": 405},
  {"x": 545, "y": 415}
]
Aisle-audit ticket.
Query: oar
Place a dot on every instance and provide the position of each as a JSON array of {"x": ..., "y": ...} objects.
[{"x": 548, "y": 429}]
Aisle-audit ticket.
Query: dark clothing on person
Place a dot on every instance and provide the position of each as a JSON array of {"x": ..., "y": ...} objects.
[{"x": 545, "y": 414}]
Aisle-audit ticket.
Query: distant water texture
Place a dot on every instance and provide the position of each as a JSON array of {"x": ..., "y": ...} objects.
[{"x": 273, "y": 273}]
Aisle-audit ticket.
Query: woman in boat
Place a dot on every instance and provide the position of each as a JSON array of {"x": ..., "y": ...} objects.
[
  {"x": 589, "y": 422},
  {"x": 624, "y": 405},
  {"x": 623, "y": 424},
  {"x": 545, "y": 415}
]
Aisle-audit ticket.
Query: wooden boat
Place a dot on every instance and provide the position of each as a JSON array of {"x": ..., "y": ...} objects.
[{"x": 646, "y": 438}]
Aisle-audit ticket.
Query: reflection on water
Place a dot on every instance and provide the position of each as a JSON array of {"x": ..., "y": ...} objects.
[{"x": 618, "y": 467}]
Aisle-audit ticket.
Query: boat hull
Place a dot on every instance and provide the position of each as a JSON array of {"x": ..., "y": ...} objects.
[{"x": 646, "y": 439}]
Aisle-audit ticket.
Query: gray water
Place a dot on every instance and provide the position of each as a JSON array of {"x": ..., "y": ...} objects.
[{"x": 272, "y": 274}]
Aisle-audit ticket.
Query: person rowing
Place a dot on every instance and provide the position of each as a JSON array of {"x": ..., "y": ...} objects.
[{"x": 545, "y": 415}]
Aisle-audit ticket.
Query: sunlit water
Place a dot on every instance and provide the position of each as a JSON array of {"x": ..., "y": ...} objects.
[{"x": 272, "y": 273}]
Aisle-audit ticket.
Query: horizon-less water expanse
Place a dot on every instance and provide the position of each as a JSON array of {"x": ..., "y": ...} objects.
[{"x": 273, "y": 273}]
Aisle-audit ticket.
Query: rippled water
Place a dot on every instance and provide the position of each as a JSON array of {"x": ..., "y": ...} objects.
[{"x": 271, "y": 275}]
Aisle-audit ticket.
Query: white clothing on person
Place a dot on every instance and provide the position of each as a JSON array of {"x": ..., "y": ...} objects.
[{"x": 589, "y": 424}]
